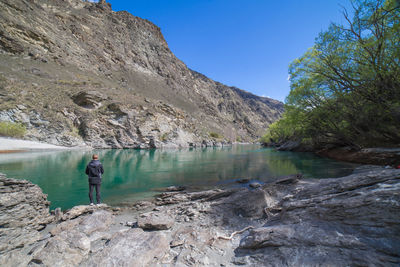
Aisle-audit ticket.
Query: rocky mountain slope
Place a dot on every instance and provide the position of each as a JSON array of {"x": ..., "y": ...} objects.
[
  {"x": 76, "y": 72},
  {"x": 348, "y": 221}
]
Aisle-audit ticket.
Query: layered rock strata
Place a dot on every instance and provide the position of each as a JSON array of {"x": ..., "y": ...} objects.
[
  {"x": 24, "y": 212},
  {"x": 348, "y": 221}
]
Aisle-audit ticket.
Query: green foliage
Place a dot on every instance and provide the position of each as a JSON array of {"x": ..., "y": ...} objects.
[
  {"x": 164, "y": 137},
  {"x": 215, "y": 135},
  {"x": 12, "y": 129},
  {"x": 345, "y": 90}
]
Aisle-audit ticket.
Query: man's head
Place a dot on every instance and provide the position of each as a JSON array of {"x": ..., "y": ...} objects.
[{"x": 95, "y": 157}]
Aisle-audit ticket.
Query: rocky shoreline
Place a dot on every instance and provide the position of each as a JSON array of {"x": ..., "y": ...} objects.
[
  {"x": 348, "y": 221},
  {"x": 375, "y": 155}
]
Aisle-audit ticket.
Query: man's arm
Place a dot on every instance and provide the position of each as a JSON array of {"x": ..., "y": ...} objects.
[
  {"x": 101, "y": 168},
  {"x": 87, "y": 170}
]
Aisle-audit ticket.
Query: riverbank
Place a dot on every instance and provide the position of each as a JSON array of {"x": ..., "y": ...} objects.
[
  {"x": 11, "y": 145},
  {"x": 351, "y": 220},
  {"x": 375, "y": 156}
]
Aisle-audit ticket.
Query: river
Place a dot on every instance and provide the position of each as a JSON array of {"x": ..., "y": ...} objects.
[{"x": 132, "y": 175}]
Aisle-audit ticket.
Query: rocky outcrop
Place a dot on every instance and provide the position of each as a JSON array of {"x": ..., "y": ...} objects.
[
  {"x": 86, "y": 74},
  {"x": 348, "y": 221},
  {"x": 337, "y": 222},
  {"x": 90, "y": 99},
  {"x": 155, "y": 221},
  {"x": 24, "y": 212},
  {"x": 382, "y": 156}
]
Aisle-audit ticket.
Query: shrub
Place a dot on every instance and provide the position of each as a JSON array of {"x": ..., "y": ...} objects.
[
  {"x": 215, "y": 135},
  {"x": 164, "y": 137},
  {"x": 12, "y": 129}
]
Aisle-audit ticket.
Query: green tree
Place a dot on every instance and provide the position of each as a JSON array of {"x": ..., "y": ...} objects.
[{"x": 345, "y": 90}]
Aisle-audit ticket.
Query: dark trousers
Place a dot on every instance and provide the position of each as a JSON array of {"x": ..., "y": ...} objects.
[{"x": 91, "y": 186}]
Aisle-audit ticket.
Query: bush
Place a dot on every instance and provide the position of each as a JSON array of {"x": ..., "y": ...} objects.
[
  {"x": 12, "y": 129},
  {"x": 164, "y": 137},
  {"x": 215, "y": 135}
]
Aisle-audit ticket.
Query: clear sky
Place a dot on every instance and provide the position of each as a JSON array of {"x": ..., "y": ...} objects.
[{"x": 244, "y": 43}]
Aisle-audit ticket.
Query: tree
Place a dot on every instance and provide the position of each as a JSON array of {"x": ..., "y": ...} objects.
[{"x": 345, "y": 90}]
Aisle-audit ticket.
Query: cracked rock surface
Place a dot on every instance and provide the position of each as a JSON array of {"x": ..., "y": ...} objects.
[{"x": 348, "y": 221}]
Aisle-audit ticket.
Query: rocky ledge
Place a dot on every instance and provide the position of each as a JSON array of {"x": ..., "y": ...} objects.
[{"x": 348, "y": 221}]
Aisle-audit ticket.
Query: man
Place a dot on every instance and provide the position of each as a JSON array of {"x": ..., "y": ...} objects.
[{"x": 94, "y": 170}]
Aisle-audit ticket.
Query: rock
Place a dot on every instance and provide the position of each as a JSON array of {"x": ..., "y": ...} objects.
[
  {"x": 99, "y": 221},
  {"x": 68, "y": 248},
  {"x": 339, "y": 222},
  {"x": 89, "y": 99},
  {"x": 291, "y": 179},
  {"x": 174, "y": 188},
  {"x": 255, "y": 185},
  {"x": 131, "y": 224},
  {"x": 293, "y": 146},
  {"x": 155, "y": 221},
  {"x": 376, "y": 156},
  {"x": 58, "y": 214},
  {"x": 243, "y": 181},
  {"x": 24, "y": 211},
  {"x": 77, "y": 211},
  {"x": 132, "y": 247},
  {"x": 346, "y": 221},
  {"x": 247, "y": 203}
]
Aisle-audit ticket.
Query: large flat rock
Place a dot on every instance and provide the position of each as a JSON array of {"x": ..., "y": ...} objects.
[
  {"x": 336, "y": 222},
  {"x": 132, "y": 247}
]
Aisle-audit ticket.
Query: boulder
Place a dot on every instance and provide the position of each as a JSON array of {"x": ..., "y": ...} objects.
[
  {"x": 255, "y": 185},
  {"x": 77, "y": 211},
  {"x": 68, "y": 248},
  {"x": 100, "y": 220},
  {"x": 155, "y": 221},
  {"x": 247, "y": 203},
  {"x": 24, "y": 211},
  {"x": 89, "y": 99},
  {"x": 290, "y": 179}
]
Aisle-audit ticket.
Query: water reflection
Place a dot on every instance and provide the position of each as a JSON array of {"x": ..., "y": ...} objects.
[{"x": 132, "y": 174}]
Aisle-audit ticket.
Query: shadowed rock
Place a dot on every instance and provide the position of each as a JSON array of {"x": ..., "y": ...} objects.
[{"x": 89, "y": 99}]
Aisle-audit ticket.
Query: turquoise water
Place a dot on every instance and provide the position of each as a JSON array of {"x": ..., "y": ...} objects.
[{"x": 136, "y": 174}]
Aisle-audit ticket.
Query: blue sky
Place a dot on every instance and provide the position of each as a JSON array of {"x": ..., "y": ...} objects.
[{"x": 244, "y": 43}]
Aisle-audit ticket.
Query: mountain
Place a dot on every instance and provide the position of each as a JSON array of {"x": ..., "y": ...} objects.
[{"x": 76, "y": 72}]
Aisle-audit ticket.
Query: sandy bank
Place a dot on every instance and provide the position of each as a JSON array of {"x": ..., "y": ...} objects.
[{"x": 9, "y": 145}]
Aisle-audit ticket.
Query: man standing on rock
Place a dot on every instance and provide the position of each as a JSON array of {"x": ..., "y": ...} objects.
[{"x": 94, "y": 170}]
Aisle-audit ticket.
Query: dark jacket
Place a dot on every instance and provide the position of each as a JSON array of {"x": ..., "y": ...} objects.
[{"x": 94, "y": 170}]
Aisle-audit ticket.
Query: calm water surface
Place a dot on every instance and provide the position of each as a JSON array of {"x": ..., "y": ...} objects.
[{"x": 136, "y": 174}]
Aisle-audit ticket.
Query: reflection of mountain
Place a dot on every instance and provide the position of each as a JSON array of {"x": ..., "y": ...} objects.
[{"x": 128, "y": 172}]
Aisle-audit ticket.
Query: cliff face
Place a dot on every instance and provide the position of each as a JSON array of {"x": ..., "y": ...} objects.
[{"x": 77, "y": 72}]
